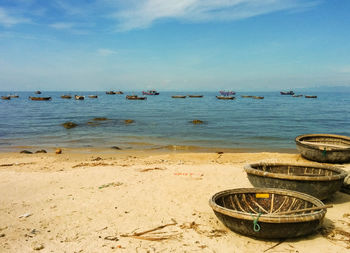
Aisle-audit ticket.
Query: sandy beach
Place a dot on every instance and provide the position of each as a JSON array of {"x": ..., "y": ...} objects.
[{"x": 103, "y": 202}]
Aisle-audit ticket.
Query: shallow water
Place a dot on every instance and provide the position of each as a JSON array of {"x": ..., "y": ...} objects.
[{"x": 270, "y": 124}]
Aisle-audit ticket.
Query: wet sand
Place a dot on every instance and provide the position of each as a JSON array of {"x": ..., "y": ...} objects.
[{"x": 94, "y": 202}]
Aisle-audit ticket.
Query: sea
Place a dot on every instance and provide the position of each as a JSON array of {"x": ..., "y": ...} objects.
[{"x": 165, "y": 123}]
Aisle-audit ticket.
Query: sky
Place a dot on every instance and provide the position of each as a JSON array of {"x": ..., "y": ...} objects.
[{"x": 205, "y": 45}]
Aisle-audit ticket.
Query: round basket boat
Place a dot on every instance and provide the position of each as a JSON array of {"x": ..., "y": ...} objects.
[
  {"x": 268, "y": 213},
  {"x": 319, "y": 181},
  {"x": 324, "y": 148}
]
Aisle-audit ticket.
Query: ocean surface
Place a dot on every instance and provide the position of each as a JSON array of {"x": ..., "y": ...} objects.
[{"x": 270, "y": 124}]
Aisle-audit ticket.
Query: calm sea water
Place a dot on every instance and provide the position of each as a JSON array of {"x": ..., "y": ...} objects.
[{"x": 270, "y": 124}]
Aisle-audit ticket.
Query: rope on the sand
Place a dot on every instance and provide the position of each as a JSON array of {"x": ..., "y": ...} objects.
[{"x": 256, "y": 226}]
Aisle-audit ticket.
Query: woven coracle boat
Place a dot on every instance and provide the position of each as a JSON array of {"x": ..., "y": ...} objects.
[
  {"x": 268, "y": 213},
  {"x": 324, "y": 148},
  {"x": 319, "y": 181}
]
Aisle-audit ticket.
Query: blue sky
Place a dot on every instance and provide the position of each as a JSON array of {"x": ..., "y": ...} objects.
[{"x": 204, "y": 45}]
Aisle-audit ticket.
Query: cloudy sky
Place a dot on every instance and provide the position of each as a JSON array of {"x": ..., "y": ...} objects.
[{"x": 173, "y": 44}]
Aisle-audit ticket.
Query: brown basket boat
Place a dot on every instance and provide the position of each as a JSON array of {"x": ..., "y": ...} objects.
[
  {"x": 135, "y": 97},
  {"x": 66, "y": 96},
  {"x": 40, "y": 98},
  {"x": 195, "y": 96},
  {"x": 225, "y": 97},
  {"x": 93, "y": 96},
  {"x": 5, "y": 97},
  {"x": 268, "y": 213},
  {"x": 178, "y": 96},
  {"x": 324, "y": 148},
  {"x": 319, "y": 181}
]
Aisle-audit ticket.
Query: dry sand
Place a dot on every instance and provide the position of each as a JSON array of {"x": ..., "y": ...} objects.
[{"x": 86, "y": 202}]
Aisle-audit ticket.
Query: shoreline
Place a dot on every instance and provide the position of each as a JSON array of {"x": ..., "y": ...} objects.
[{"x": 90, "y": 202}]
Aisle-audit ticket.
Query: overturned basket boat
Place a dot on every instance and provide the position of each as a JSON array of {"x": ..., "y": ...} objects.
[
  {"x": 319, "y": 181},
  {"x": 268, "y": 213},
  {"x": 325, "y": 148}
]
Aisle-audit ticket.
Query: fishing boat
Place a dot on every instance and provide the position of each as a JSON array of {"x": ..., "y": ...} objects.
[
  {"x": 297, "y": 96},
  {"x": 258, "y": 97},
  {"x": 225, "y": 97},
  {"x": 119, "y": 92},
  {"x": 79, "y": 97},
  {"x": 40, "y": 98},
  {"x": 195, "y": 96},
  {"x": 178, "y": 96},
  {"x": 66, "y": 96},
  {"x": 13, "y": 96},
  {"x": 324, "y": 148},
  {"x": 150, "y": 92},
  {"x": 268, "y": 212},
  {"x": 110, "y": 92},
  {"x": 245, "y": 96},
  {"x": 320, "y": 181},
  {"x": 5, "y": 97},
  {"x": 38, "y": 92},
  {"x": 308, "y": 96},
  {"x": 93, "y": 96},
  {"x": 135, "y": 97},
  {"x": 287, "y": 92},
  {"x": 227, "y": 93}
]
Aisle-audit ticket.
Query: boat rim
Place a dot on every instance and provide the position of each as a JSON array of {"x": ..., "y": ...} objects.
[
  {"x": 269, "y": 218},
  {"x": 250, "y": 170},
  {"x": 299, "y": 138}
]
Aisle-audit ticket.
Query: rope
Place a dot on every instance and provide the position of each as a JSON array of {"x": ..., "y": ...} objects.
[
  {"x": 256, "y": 226},
  {"x": 324, "y": 152}
]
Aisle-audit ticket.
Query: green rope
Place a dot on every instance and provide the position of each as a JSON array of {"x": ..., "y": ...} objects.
[
  {"x": 256, "y": 226},
  {"x": 324, "y": 152}
]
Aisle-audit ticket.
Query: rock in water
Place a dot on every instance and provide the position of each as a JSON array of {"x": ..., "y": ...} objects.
[
  {"x": 26, "y": 152},
  {"x": 40, "y": 151},
  {"x": 69, "y": 125}
]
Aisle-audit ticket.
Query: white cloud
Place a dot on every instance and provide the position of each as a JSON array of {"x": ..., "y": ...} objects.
[
  {"x": 62, "y": 25},
  {"x": 144, "y": 13},
  {"x": 344, "y": 69},
  {"x": 105, "y": 52},
  {"x": 8, "y": 20}
]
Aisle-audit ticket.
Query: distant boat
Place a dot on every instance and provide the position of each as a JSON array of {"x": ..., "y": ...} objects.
[
  {"x": 119, "y": 92},
  {"x": 66, "y": 96},
  {"x": 306, "y": 96},
  {"x": 258, "y": 97},
  {"x": 287, "y": 92},
  {"x": 135, "y": 97},
  {"x": 93, "y": 96},
  {"x": 227, "y": 93},
  {"x": 40, "y": 98},
  {"x": 110, "y": 92},
  {"x": 195, "y": 96},
  {"x": 225, "y": 97},
  {"x": 244, "y": 96},
  {"x": 38, "y": 92},
  {"x": 79, "y": 97},
  {"x": 297, "y": 96},
  {"x": 150, "y": 92},
  {"x": 13, "y": 96},
  {"x": 178, "y": 96},
  {"x": 5, "y": 97}
]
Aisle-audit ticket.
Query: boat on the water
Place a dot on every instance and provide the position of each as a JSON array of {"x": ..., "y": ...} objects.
[
  {"x": 320, "y": 181},
  {"x": 258, "y": 97},
  {"x": 268, "y": 212},
  {"x": 227, "y": 93},
  {"x": 93, "y": 96},
  {"x": 178, "y": 96},
  {"x": 66, "y": 96},
  {"x": 150, "y": 92},
  {"x": 5, "y": 97},
  {"x": 40, "y": 98},
  {"x": 135, "y": 97},
  {"x": 297, "y": 96},
  {"x": 245, "y": 96},
  {"x": 79, "y": 97},
  {"x": 119, "y": 92},
  {"x": 308, "y": 96},
  {"x": 110, "y": 92},
  {"x": 38, "y": 92},
  {"x": 287, "y": 92},
  {"x": 195, "y": 96},
  {"x": 13, "y": 96},
  {"x": 324, "y": 148},
  {"x": 225, "y": 97}
]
